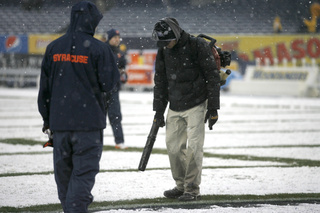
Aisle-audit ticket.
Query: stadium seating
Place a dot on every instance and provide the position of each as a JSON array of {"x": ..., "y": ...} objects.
[{"x": 235, "y": 17}]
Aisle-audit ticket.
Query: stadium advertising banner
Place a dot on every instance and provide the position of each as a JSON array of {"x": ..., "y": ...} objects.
[
  {"x": 39, "y": 42},
  {"x": 279, "y": 47},
  {"x": 278, "y": 80},
  {"x": 247, "y": 47},
  {"x": 13, "y": 44}
]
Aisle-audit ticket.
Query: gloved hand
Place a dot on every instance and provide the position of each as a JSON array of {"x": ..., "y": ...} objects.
[
  {"x": 46, "y": 130},
  {"x": 159, "y": 119},
  {"x": 123, "y": 77},
  {"x": 45, "y": 127},
  {"x": 212, "y": 116}
]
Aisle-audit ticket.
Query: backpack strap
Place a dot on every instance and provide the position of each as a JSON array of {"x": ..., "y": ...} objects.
[
  {"x": 194, "y": 47},
  {"x": 214, "y": 49}
]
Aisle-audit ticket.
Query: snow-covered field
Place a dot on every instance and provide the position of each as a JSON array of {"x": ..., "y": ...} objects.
[{"x": 268, "y": 127}]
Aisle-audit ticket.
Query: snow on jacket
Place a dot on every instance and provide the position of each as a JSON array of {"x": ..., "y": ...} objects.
[
  {"x": 76, "y": 74},
  {"x": 186, "y": 76}
]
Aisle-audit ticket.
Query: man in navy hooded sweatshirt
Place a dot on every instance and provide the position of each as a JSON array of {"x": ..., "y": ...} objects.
[{"x": 78, "y": 72}]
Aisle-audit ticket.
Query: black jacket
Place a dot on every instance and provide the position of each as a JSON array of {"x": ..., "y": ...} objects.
[
  {"x": 186, "y": 76},
  {"x": 119, "y": 56},
  {"x": 77, "y": 70}
]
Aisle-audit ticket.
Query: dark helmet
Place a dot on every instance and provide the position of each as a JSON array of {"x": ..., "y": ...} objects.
[{"x": 162, "y": 33}]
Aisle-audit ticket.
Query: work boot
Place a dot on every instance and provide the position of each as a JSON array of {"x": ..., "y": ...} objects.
[
  {"x": 189, "y": 197},
  {"x": 173, "y": 193}
]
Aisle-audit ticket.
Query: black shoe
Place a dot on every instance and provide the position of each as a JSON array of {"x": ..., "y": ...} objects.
[
  {"x": 189, "y": 197},
  {"x": 173, "y": 193}
]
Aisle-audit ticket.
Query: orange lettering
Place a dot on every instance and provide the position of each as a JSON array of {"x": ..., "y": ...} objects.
[
  {"x": 80, "y": 57},
  {"x": 85, "y": 59},
  {"x": 63, "y": 57},
  {"x": 55, "y": 57},
  {"x": 68, "y": 57},
  {"x": 72, "y": 58}
]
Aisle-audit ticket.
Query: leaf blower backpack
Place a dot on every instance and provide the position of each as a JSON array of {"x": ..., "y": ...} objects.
[{"x": 222, "y": 58}]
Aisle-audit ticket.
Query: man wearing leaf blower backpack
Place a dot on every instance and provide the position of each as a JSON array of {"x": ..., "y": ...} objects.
[{"x": 188, "y": 79}]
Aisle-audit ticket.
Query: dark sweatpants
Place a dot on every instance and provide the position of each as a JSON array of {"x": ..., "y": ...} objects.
[{"x": 76, "y": 163}]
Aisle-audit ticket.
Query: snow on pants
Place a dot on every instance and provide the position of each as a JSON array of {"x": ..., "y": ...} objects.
[
  {"x": 76, "y": 163},
  {"x": 184, "y": 139},
  {"x": 115, "y": 116}
]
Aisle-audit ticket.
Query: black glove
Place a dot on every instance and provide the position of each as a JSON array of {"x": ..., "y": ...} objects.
[
  {"x": 159, "y": 119},
  {"x": 212, "y": 116},
  {"x": 45, "y": 127},
  {"x": 46, "y": 130},
  {"x": 123, "y": 77}
]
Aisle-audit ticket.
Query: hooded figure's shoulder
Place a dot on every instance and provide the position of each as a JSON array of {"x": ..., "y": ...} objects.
[
  {"x": 97, "y": 47},
  {"x": 97, "y": 43},
  {"x": 57, "y": 43}
]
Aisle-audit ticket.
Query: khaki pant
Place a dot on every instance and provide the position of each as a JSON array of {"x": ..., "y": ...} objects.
[{"x": 184, "y": 140}]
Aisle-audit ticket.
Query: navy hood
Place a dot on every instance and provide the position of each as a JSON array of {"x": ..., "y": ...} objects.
[{"x": 85, "y": 17}]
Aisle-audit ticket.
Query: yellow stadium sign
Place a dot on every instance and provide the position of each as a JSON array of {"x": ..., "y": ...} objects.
[
  {"x": 39, "y": 42},
  {"x": 280, "y": 47}
]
